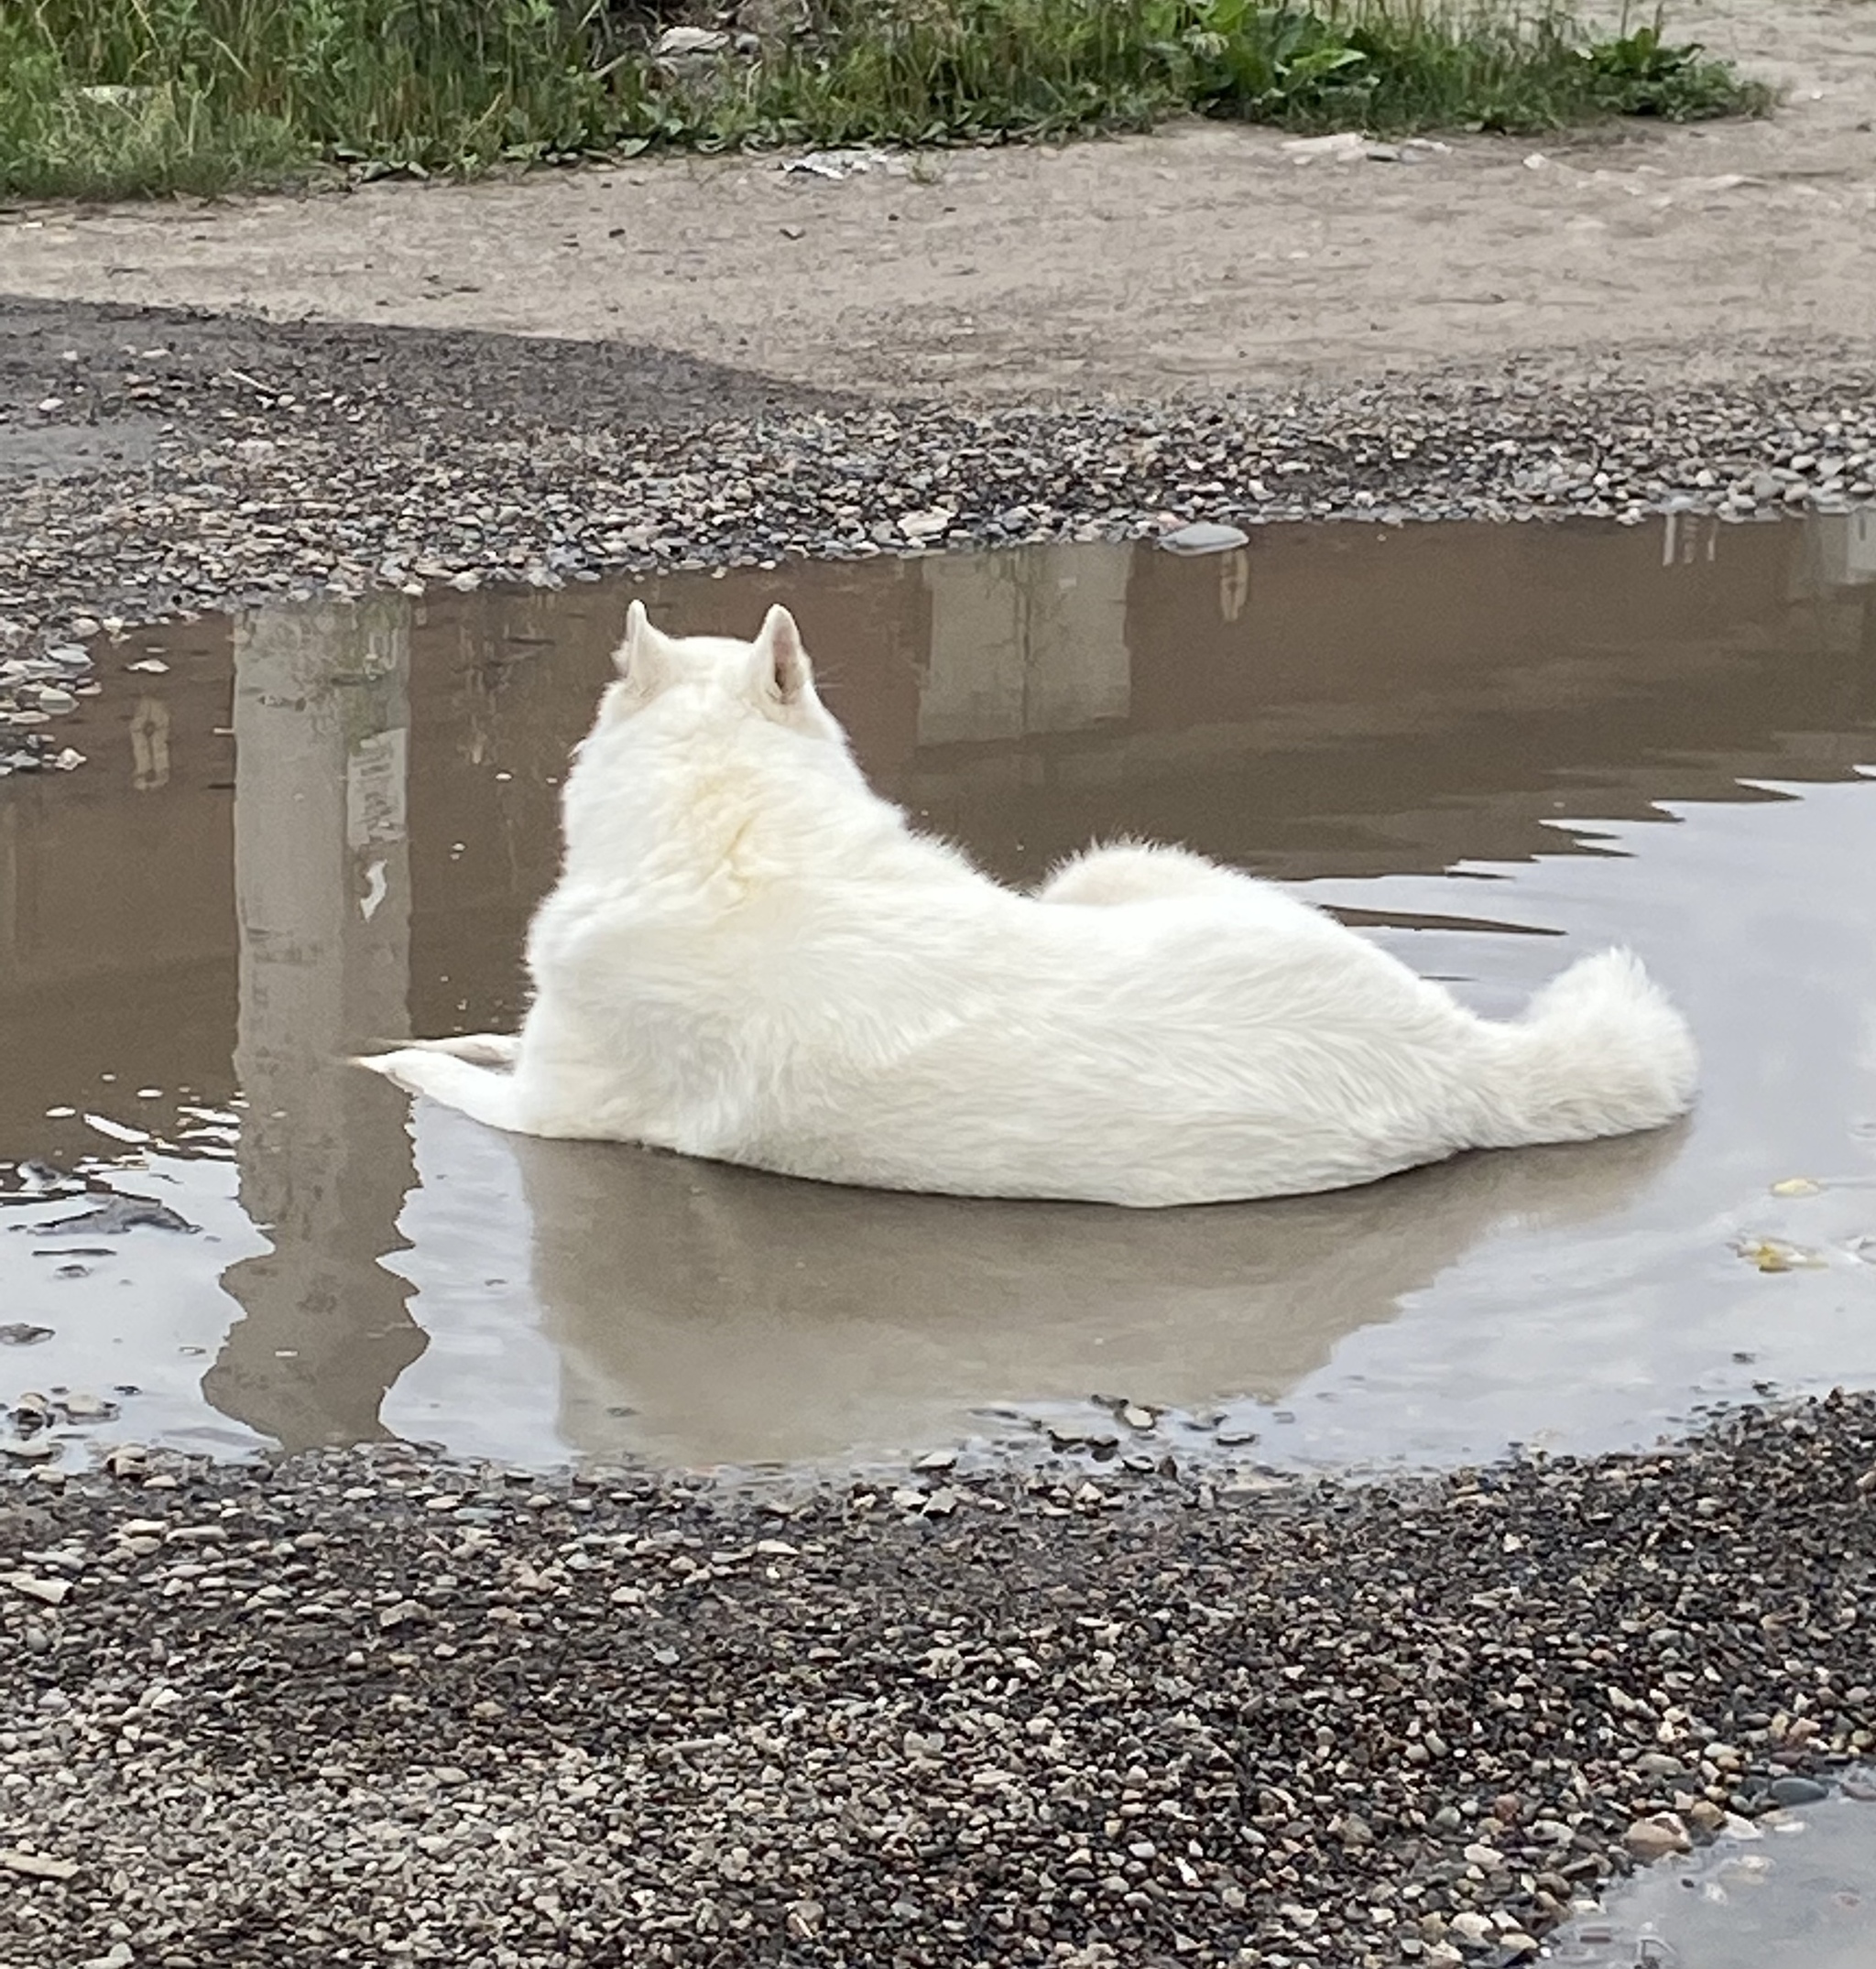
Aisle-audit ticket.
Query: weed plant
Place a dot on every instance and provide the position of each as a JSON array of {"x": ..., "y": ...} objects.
[{"x": 109, "y": 98}]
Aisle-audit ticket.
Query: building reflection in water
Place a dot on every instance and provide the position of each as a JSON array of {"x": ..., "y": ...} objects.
[{"x": 323, "y": 902}]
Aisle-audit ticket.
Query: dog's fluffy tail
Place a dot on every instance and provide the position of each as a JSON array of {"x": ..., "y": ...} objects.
[{"x": 1600, "y": 1050}]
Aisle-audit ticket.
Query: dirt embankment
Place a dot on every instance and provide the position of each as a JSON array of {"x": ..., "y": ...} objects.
[{"x": 1205, "y": 255}]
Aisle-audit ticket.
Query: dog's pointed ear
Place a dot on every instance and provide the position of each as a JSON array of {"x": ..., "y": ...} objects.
[
  {"x": 635, "y": 657},
  {"x": 784, "y": 662}
]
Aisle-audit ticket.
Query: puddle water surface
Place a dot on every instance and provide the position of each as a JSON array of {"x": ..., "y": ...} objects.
[
  {"x": 1800, "y": 1895},
  {"x": 1495, "y": 748}
]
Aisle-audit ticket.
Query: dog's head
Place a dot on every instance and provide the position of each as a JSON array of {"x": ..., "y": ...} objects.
[
  {"x": 692, "y": 730},
  {"x": 714, "y": 679}
]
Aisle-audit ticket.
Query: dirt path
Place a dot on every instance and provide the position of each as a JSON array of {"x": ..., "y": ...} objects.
[{"x": 1201, "y": 257}]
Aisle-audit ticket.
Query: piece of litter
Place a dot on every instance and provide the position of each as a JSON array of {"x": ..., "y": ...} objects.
[
  {"x": 1203, "y": 536},
  {"x": 675, "y": 43},
  {"x": 1342, "y": 146},
  {"x": 838, "y": 164},
  {"x": 1770, "y": 1255},
  {"x": 113, "y": 1218},
  {"x": 1797, "y": 1186},
  {"x": 150, "y": 666}
]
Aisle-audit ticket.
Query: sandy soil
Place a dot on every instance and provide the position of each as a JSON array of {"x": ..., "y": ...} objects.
[{"x": 1201, "y": 257}]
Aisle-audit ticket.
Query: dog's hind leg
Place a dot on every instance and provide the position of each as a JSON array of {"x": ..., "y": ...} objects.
[
  {"x": 484, "y": 1049},
  {"x": 1139, "y": 872},
  {"x": 482, "y": 1094}
]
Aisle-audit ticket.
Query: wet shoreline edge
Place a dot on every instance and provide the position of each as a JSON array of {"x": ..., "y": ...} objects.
[{"x": 164, "y": 463}]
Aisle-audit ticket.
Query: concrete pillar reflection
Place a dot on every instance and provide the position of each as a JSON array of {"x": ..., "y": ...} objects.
[
  {"x": 1024, "y": 644},
  {"x": 323, "y": 898}
]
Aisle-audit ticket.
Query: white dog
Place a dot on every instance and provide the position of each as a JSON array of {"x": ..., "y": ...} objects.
[{"x": 751, "y": 957}]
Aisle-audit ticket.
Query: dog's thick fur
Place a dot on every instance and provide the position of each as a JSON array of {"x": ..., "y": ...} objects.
[{"x": 753, "y": 958}]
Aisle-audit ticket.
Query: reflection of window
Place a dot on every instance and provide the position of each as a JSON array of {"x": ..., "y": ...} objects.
[
  {"x": 1234, "y": 584},
  {"x": 1849, "y": 547},
  {"x": 149, "y": 745},
  {"x": 496, "y": 645},
  {"x": 1687, "y": 538},
  {"x": 1023, "y": 644},
  {"x": 374, "y": 788},
  {"x": 1838, "y": 554}
]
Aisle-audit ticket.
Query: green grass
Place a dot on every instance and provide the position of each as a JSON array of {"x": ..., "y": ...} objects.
[{"x": 102, "y": 98}]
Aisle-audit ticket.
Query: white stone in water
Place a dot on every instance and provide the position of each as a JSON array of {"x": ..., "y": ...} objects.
[
  {"x": 1205, "y": 536},
  {"x": 1654, "y": 1838}
]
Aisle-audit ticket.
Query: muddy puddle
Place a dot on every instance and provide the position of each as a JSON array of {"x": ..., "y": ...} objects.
[{"x": 317, "y": 826}]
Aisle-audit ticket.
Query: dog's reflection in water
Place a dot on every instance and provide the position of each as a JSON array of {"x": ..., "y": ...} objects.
[{"x": 744, "y": 1317}]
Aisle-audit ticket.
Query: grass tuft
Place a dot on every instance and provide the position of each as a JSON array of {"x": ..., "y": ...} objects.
[{"x": 108, "y": 98}]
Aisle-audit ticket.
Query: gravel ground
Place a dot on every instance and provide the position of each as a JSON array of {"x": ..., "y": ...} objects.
[
  {"x": 367, "y": 1707},
  {"x": 157, "y": 463},
  {"x": 371, "y": 1708}
]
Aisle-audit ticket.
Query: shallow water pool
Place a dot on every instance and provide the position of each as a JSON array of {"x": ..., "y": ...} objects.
[
  {"x": 1495, "y": 748},
  {"x": 1799, "y": 1894}
]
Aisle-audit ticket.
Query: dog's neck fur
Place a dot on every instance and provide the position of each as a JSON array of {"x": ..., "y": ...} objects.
[{"x": 705, "y": 799}]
